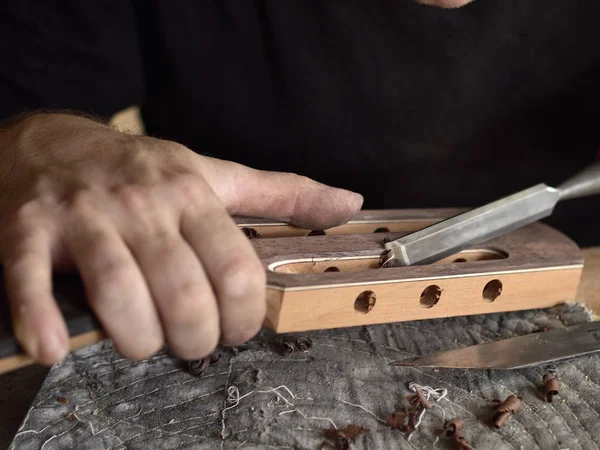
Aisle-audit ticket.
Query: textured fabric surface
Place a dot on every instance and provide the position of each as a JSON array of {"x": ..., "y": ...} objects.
[{"x": 254, "y": 397}]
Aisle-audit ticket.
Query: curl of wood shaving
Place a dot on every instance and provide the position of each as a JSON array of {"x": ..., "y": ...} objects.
[
  {"x": 343, "y": 438},
  {"x": 505, "y": 410},
  {"x": 408, "y": 421},
  {"x": 461, "y": 443},
  {"x": 551, "y": 386},
  {"x": 453, "y": 429}
]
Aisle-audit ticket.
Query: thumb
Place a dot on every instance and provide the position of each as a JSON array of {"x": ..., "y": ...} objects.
[{"x": 281, "y": 196}]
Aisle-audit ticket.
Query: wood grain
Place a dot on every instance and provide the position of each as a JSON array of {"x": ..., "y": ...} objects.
[
  {"x": 334, "y": 307},
  {"x": 589, "y": 288},
  {"x": 313, "y": 282}
]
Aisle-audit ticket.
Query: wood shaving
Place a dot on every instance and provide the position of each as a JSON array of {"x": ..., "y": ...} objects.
[
  {"x": 551, "y": 386},
  {"x": 343, "y": 438},
  {"x": 215, "y": 357},
  {"x": 197, "y": 367},
  {"x": 303, "y": 344},
  {"x": 409, "y": 419},
  {"x": 287, "y": 346},
  {"x": 504, "y": 410},
  {"x": 461, "y": 443},
  {"x": 424, "y": 402},
  {"x": 396, "y": 420},
  {"x": 453, "y": 427}
]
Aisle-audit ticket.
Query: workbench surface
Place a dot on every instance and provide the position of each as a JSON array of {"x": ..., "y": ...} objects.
[{"x": 256, "y": 398}]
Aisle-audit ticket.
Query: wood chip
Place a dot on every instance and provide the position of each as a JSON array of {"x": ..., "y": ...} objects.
[
  {"x": 197, "y": 367},
  {"x": 411, "y": 425},
  {"x": 453, "y": 427},
  {"x": 215, "y": 357},
  {"x": 461, "y": 443},
  {"x": 303, "y": 344},
  {"x": 424, "y": 402},
  {"x": 343, "y": 438},
  {"x": 551, "y": 386},
  {"x": 396, "y": 420},
  {"x": 63, "y": 400},
  {"x": 406, "y": 420},
  {"x": 287, "y": 346},
  {"x": 505, "y": 410}
]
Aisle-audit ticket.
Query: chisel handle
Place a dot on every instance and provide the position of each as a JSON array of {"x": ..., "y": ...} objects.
[{"x": 583, "y": 184}]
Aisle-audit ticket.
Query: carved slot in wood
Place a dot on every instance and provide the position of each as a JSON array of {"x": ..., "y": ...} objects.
[
  {"x": 367, "y": 222},
  {"x": 279, "y": 231},
  {"x": 360, "y": 264}
]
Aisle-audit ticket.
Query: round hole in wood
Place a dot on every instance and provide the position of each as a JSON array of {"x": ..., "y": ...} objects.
[
  {"x": 430, "y": 296},
  {"x": 332, "y": 269},
  {"x": 382, "y": 230},
  {"x": 365, "y": 302},
  {"x": 492, "y": 290},
  {"x": 316, "y": 233},
  {"x": 459, "y": 260}
]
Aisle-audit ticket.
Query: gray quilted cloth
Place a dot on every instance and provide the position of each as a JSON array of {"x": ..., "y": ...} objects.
[{"x": 256, "y": 398}]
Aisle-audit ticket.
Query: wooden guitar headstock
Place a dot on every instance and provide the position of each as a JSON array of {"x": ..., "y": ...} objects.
[{"x": 334, "y": 279}]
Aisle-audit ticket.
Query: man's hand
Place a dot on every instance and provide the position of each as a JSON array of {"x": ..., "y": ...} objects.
[{"x": 147, "y": 224}]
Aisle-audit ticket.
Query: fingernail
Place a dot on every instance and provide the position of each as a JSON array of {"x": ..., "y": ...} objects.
[
  {"x": 26, "y": 339},
  {"x": 52, "y": 348}
]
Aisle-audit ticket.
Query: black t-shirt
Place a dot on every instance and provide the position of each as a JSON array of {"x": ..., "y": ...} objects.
[{"x": 410, "y": 105}]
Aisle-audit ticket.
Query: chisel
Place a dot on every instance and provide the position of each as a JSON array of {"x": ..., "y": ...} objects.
[{"x": 481, "y": 224}]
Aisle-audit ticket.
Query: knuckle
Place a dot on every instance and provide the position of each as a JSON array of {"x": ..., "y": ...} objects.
[
  {"x": 298, "y": 180},
  {"x": 27, "y": 214},
  {"x": 245, "y": 289},
  {"x": 188, "y": 296},
  {"x": 187, "y": 306},
  {"x": 134, "y": 198},
  {"x": 242, "y": 278},
  {"x": 81, "y": 201},
  {"x": 189, "y": 186}
]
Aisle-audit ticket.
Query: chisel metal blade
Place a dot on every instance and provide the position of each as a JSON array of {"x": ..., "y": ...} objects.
[
  {"x": 518, "y": 352},
  {"x": 478, "y": 225}
]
